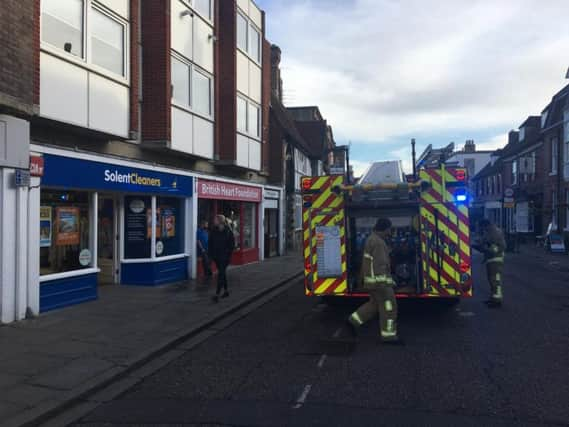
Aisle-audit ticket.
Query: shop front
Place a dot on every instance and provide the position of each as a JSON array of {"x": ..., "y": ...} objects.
[
  {"x": 271, "y": 226},
  {"x": 240, "y": 204},
  {"x": 104, "y": 222}
]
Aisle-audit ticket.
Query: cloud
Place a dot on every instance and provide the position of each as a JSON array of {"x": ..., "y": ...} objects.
[{"x": 381, "y": 70}]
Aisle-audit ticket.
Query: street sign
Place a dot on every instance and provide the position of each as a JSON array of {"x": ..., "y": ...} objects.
[
  {"x": 22, "y": 178},
  {"x": 508, "y": 192}
]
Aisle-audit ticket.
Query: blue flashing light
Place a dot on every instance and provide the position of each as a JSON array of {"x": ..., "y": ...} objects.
[{"x": 461, "y": 196}]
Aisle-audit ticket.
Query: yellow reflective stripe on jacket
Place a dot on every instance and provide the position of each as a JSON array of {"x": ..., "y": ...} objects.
[
  {"x": 381, "y": 279},
  {"x": 495, "y": 259}
]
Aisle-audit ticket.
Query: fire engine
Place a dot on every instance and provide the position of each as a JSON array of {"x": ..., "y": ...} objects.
[{"x": 430, "y": 242}]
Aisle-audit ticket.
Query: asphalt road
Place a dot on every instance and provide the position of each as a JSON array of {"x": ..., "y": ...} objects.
[{"x": 281, "y": 365}]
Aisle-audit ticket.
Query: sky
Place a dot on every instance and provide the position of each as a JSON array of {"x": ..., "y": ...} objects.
[{"x": 385, "y": 71}]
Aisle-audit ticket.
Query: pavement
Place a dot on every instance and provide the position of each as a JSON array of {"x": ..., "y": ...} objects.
[
  {"x": 58, "y": 358},
  {"x": 289, "y": 363}
]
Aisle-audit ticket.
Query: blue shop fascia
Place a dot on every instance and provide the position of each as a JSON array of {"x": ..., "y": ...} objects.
[{"x": 108, "y": 222}]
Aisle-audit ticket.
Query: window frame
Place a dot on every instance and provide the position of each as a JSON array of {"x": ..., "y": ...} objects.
[
  {"x": 248, "y": 105},
  {"x": 85, "y": 61},
  {"x": 193, "y": 68},
  {"x": 247, "y": 50},
  {"x": 554, "y": 156}
]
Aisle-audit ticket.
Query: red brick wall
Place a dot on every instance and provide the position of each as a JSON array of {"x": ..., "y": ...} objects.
[
  {"x": 18, "y": 18},
  {"x": 266, "y": 100},
  {"x": 156, "y": 114},
  {"x": 36, "y": 52},
  {"x": 134, "y": 64},
  {"x": 226, "y": 82}
]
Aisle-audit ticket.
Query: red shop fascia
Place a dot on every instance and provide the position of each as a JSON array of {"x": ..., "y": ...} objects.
[{"x": 240, "y": 204}]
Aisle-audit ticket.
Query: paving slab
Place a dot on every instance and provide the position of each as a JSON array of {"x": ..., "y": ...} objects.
[{"x": 62, "y": 356}]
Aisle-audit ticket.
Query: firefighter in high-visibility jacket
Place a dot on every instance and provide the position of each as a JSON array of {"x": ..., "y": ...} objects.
[
  {"x": 493, "y": 246},
  {"x": 376, "y": 277}
]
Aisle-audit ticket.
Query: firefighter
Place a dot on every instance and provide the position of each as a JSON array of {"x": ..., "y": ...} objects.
[
  {"x": 376, "y": 276},
  {"x": 493, "y": 246}
]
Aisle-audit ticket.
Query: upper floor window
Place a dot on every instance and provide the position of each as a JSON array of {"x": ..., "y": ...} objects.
[
  {"x": 242, "y": 26},
  {"x": 248, "y": 38},
  {"x": 566, "y": 134},
  {"x": 203, "y": 7},
  {"x": 67, "y": 25},
  {"x": 514, "y": 172},
  {"x": 254, "y": 44},
  {"x": 248, "y": 117},
  {"x": 522, "y": 134},
  {"x": 107, "y": 42},
  {"x": 554, "y": 157},
  {"x": 191, "y": 87},
  {"x": 544, "y": 118},
  {"x": 499, "y": 183},
  {"x": 62, "y": 25}
]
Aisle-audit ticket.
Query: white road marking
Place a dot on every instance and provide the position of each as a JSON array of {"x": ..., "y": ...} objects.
[
  {"x": 337, "y": 333},
  {"x": 466, "y": 314},
  {"x": 322, "y": 360},
  {"x": 302, "y": 398}
]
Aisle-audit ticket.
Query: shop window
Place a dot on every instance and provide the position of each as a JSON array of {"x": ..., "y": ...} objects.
[
  {"x": 65, "y": 239},
  {"x": 138, "y": 227},
  {"x": 249, "y": 225},
  {"x": 232, "y": 212},
  {"x": 62, "y": 25},
  {"x": 169, "y": 226}
]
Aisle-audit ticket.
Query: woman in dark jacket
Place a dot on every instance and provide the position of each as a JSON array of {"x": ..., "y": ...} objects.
[{"x": 221, "y": 245}]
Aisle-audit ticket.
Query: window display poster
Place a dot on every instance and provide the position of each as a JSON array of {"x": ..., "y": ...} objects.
[
  {"x": 168, "y": 222},
  {"x": 45, "y": 226},
  {"x": 149, "y": 223},
  {"x": 67, "y": 226},
  {"x": 137, "y": 244}
]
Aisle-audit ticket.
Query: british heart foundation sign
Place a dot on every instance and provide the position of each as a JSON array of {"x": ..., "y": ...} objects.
[{"x": 227, "y": 191}]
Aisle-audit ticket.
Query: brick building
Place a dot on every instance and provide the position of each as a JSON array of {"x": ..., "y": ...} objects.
[
  {"x": 147, "y": 117},
  {"x": 18, "y": 103}
]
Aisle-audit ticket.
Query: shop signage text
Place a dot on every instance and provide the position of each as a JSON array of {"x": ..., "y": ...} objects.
[
  {"x": 227, "y": 191},
  {"x": 36, "y": 166},
  {"x": 271, "y": 194},
  {"x": 70, "y": 173}
]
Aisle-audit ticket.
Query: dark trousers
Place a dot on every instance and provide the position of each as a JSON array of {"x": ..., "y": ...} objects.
[
  {"x": 221, "y": 275},
  {"x": 206, "y": 264}
]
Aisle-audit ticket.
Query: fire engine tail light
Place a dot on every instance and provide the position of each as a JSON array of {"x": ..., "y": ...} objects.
[
  {"x": 464, "y": 267},
  {"x": 306, "y": 183},
  {"x": 460, "y": 175}
]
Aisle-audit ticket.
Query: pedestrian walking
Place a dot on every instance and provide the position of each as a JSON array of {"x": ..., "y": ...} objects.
[
  {"x": 493, "y": 246},
  {"x": 376, "y": 276},
  {"x": 202, "y": 239},
  {"x": 221, "y": 245}
]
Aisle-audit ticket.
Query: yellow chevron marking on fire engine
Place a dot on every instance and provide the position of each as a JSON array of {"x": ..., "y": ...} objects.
[
  {"x": 452, "y": 272},
  {"x": 324, "y": 286},
  {"x": 342, "y": 288},
  {"x": 318, "y": 183}
]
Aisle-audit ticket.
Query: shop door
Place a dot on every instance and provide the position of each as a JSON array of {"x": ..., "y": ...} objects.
[
  {"x": 271, "y": 233},
  {"x": 107, "y": 240}
]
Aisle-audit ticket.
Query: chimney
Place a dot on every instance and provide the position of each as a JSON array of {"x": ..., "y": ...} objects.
[
  {"x": 469, "y": 146},
  {"x": 276, "y": 80},
  {"x": 513, "y": 137}
]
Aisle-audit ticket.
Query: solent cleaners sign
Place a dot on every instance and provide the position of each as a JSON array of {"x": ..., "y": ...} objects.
[
  {"x": 71, "y": 173},
  {"x": 228, "y": 191}
]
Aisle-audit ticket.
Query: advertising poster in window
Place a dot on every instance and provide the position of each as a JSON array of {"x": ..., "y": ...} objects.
[
  {"x": 67, "y": 226},
  {"x": 45, "y": 226},
  {"x": 137, "y": 244},
  {"x": 149, "y": 223},
  {"x": 168, "y": 223}
]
